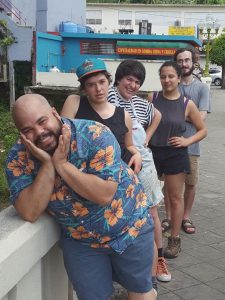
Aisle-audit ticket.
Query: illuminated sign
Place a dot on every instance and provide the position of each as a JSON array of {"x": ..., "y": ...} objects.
[
  {"x": 178, "y": 30},
  {"x": 145, "y": 51}
]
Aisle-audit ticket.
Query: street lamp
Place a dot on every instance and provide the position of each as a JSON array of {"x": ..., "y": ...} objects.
[{"x": 208, "y": 29}]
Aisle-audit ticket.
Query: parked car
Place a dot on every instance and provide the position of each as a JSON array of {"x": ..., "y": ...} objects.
[{"x": 216, "y": 75}]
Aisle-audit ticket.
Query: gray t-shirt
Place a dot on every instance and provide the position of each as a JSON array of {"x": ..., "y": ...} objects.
[{"x": 200, "y": 94}]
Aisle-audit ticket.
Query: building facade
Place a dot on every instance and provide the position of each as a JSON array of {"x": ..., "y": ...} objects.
[{"x": 111, "y": 18}]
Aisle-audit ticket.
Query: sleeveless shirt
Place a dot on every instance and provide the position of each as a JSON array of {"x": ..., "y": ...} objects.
[
  {"x": 116, "y": 124},
  {"x": 172, "y": 122}
]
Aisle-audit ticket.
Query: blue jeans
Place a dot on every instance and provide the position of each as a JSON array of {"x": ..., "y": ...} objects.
[{"x": 92, "y": 271}]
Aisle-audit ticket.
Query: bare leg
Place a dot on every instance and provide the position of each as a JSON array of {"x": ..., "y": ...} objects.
[
  {"x": 145, "y": 296},
  {"x": 157, "y": 230},
  {"x": 167, "y": 203},
  {"x": 155, "y": 260},
  {"x": 189, "y": 196},
  {"x": 174, "y": 188}
]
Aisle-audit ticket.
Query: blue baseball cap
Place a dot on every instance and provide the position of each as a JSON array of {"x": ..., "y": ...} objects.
[{"x": 89, "y": 66}]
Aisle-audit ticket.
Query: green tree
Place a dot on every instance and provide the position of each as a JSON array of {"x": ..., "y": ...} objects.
[
  {"x": 217, "y": 55},
  {"x": 6, "y": 39}
]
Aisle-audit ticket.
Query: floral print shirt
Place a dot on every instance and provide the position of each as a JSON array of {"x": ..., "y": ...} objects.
[{"x": 93, "y": 150}]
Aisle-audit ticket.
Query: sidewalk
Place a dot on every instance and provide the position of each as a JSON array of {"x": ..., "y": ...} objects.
[{"x": 199, "y": 271}]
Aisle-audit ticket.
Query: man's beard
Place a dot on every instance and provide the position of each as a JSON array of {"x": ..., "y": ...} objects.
[
  {"x": 49, "y": 148},
  {"x": 186, "y": 74}
]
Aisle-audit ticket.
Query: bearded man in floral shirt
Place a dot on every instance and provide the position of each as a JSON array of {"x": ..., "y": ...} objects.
[{"x": 73, "y": 169}]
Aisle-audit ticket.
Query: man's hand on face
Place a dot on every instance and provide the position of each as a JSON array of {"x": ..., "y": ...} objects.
[
  {"x": 61, "y": 153},
  {"x": 40, "y": 154}
]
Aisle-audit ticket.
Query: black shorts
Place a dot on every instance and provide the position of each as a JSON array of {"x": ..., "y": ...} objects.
[{"x": 170, "y": 160}]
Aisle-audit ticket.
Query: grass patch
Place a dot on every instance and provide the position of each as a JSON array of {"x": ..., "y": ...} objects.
[{"x": 8, "y": 136}]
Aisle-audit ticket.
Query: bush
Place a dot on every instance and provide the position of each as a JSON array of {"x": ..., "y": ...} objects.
[{"x": 8, "y": 136}]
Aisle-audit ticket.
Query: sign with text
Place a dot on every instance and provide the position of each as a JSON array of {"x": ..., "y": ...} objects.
[
  {"x": 178, "y": 30},
  {"x": 145, "y": 51}
]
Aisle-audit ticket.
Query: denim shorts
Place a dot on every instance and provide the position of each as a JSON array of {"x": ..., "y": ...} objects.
[
  {"x": 170, "y": 160},
  {"x": 92, "y": 271}
]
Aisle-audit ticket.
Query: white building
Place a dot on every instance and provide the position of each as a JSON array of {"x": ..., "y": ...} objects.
[{"x": 110, "y": 18}]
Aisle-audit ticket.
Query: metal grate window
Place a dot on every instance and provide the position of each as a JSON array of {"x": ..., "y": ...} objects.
[
  {"x": 94, "y": 17},
  {"x": 91, "y": 47},
  {"x": 125, "y": 22},
  {"x": 124, "y": 17},
  {"x": 94, "y": 21}
]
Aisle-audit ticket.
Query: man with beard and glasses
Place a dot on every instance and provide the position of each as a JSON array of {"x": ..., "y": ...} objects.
[
  {"x": 73, "y": 169},
  {"x": 192, "y": 88}
]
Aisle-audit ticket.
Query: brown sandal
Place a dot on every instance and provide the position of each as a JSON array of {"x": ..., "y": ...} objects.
[
  {"x": 166, "y": 225},
  {"x": 188, "y": 226}
]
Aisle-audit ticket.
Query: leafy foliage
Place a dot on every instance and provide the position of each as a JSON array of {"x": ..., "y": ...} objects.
[
  {"x": 217, "y": 54},
  {"x": 6, "y": 37},
  {"x": 8, "y": 135}
]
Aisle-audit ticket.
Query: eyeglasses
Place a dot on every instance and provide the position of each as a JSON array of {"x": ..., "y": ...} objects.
[{"x": 184, "y": 61}]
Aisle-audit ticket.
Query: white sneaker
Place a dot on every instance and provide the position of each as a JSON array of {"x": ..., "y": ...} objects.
[{"x": 163, "y": 273}]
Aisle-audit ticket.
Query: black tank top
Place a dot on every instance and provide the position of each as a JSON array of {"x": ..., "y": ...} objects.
[
  {"x": 116, "y": 123},
  {"x": 173, "y": 119}
]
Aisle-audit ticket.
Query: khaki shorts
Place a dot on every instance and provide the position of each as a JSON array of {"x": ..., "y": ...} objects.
[{"x": 192, "y": 178}]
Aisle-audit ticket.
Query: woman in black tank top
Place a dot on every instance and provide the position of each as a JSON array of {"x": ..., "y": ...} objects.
[
  {"x": 95, "y": 106},
  {"x": 170, "y": 147}
]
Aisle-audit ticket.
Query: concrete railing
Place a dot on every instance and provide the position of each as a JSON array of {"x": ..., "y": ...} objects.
[{"x": 31, "y": 264}]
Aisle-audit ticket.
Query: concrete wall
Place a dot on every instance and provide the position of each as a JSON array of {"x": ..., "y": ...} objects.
[
  {"x": 51, "y": 12},
  {"x": 151, "y": 83},
  {"x": 28, "y": 11},
  {"x": 31, "y": 264}
]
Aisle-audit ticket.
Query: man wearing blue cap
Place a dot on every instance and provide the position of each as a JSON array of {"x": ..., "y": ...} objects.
[{"x": 73, "y": 169}]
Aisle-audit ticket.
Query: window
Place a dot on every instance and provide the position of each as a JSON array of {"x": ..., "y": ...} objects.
[
  {"x": 125, "y": 18},
  {"x": 141, "y": 17},
  {"x": 214, "y": 71},
  {"x": 96, "y": 48},
  {"x": 94, "y": 17}
]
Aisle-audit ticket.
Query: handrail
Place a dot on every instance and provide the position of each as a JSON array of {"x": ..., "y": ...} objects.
[{"x": 15, "y": 11}]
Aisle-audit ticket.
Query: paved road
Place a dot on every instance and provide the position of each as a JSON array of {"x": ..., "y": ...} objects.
[{"x": 199, "y": 272}]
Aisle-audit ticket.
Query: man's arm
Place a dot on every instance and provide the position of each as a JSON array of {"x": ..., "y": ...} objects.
[
  {"x": 88, "y": 186},
  {"x": 203, "y": 115},
  {"x": 204, "y": 105},
  {"x": 33, "y": 200},
  {"x": 70, "y": 106}
]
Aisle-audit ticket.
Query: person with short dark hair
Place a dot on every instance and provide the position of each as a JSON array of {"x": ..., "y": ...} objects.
[
  {"x": 129, "y": 77},
  {"x": 93, "y": 105},
  {"x": 130, "y": 67},
  {"x": 198, "y": 91},
  {"x": 170, "y": 146}
]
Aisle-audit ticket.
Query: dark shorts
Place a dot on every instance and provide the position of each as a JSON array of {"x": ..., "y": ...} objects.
[
  {"x": 171, "y": 161},
  {"x": 92, "y": 271}
]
